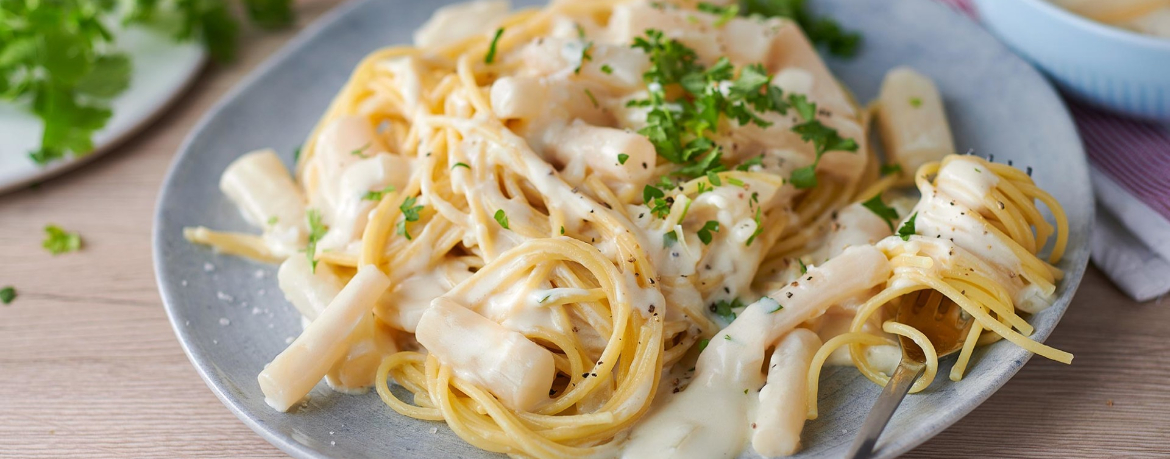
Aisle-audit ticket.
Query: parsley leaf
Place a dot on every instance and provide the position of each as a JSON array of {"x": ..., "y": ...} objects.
[
  {"x": 725, "y": 309},
  {"x": 377, "y": 195},
  {"x": 622, "y": 158},
  {"x": 317, "y": 231},
  {"x": 501, "y": 218},
  {"x": 712, "y": 226},
  {"x": 585, "y": 57},
  {"x": 880, "y": 208},
  {"x": 491, "y": 54},
  {"x": 915, "y": 102},
  {"x": 823, "y": 138},
  {"x": 592, "y": 98},
  {"x": 703, "y": 344},
  {"x": 907, "y": 228},
  {"x": 461, "y": 164},
  {"x": 606, "y": 69},
  {"x": 888, "y": 169},
  {"x": 7, "y": 294},
  {"x": 669, "y": 238},
  {"x": 803, "y": 267},
  {"x": 58, "y": 241},
  {"x": 725, "y": 13},
  {"x": 59, "y": 60},
  {"x": 409, "y": 214},
  {"x": 753, "y": 161}
]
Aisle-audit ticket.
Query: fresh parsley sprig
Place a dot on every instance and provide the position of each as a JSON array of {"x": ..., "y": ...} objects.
[
  {"x": 879, "y": 208},
  {"x": 410, "y": 213},
  {"x": 58, "y": 59}
]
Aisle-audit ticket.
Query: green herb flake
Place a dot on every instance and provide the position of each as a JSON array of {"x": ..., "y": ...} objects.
[
  {"x": 592, "y": 98},
  {"x": 622, "y": 158},
  {"x": 7, "y": 294},
  {"x": 725, "y": 13},
  {"x": 501, "y": 218},
  {"x": 317, "y": 230},
  {"x": 726, "y": 309},
  {"x": 58, "y": 241},
  {"x": 704, "y": 233},
  {"x": 585, "y": 57},
  {"x": 889, "y": 169},
  {"x": 606, "y": 69},
  {"x": 703, "y": 344},
  {"x": 887, "y": 213},
  {"x": 273, "y": 220},
  {"x": 562, "y": 231},
  {"x": 377, "y": 195},
  {"x": 907, "y": 228},
  {"x": 461, "y": 164},
  {"x": 714, "y": 179},
  {"x": 491, "y": 54},
  {"x": 915, "y": 102},
  {"x": 803, "y": 267},
  {"x": 410, "y": 213},
  {"x": 669, "y": 238}
]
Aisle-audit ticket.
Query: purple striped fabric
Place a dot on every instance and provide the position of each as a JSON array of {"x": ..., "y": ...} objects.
[{"x": 1135, "y": 154}]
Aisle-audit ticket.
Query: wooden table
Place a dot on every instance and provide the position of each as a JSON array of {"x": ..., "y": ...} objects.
[{"x": 89, "y": 366}]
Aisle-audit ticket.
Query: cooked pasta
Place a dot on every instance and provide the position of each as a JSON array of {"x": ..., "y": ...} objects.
[{"x": 627, "y": 229}]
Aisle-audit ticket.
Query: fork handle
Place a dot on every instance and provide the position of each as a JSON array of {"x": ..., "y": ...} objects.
[{"x": 904, "y": 377}]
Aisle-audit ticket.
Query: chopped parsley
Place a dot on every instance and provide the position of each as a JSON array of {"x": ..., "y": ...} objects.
[
  {"x": 915, "y": 102},
  {"x": 360, "y": 151},
  {"x": 655, "y": 199},
  {"x": 377, "y": 195},
  {"x": 562, "y": 230},
  {"x": 823, "y": 138},
  {"x": 297, "y": 154},
  {"x": 820, "y": 30},
  {"x": 585, "y": 57},
  {"x": 501, "y": 218},
  {"x": 7, "y": 294},
  {"x": 409, "y": 214},
  {"x": 887, "y": 213},
  {"x": 907, "y": 228},
  {"x": 726, "y": 309},
  {"x": 888, "y": 169},
  {"x": 542, "y": 300},
  {"x": 606, "y": 69},
  {"x": 622, "y": 158},
  {"x": 592, "y": 98},
  {"x": 753, "y": 161},
  {"x": 712, "y": 226},
  {"x": 759, "y": 219},
  {"x": 491, "y": 54},
  {"x": 714, "y": 179},
  {"x": 58, "y": 241},
  {"x": 461, "y": 164},
  {"x": 273, "y": 220},
  {"x": 725, "y": 13},
  {"x": 669, "y": 238},
  {"x": 703, "y": 344},
  {"x": 317, "y": 231},
  {"x": 803, "y": 267}
]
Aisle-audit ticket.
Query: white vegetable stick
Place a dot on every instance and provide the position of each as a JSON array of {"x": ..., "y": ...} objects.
[
  {"x": 784, "y": 399},
  {"x": 294, "y": 372},
  {"x": 480, "y": 351},
  {"x": 912, "y": 120}
]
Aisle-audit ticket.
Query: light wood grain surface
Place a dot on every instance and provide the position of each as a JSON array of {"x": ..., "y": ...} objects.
[{"x": 89, "y": 366}]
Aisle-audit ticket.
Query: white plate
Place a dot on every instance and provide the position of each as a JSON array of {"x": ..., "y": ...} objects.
[{"x": 162, "y": 69}]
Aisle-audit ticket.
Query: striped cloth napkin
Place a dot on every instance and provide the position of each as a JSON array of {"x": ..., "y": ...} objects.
[{"x": 1130, "y": 163}]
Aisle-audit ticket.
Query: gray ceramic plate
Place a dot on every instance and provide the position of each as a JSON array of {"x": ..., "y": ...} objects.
[{"x": 231, "y": 319}]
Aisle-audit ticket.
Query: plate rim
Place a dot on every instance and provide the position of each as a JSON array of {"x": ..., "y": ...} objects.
[{"x": 1015, "y": 358}]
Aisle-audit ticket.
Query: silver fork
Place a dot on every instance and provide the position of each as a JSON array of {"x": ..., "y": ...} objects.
[{"x": 946, "y": 326}]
